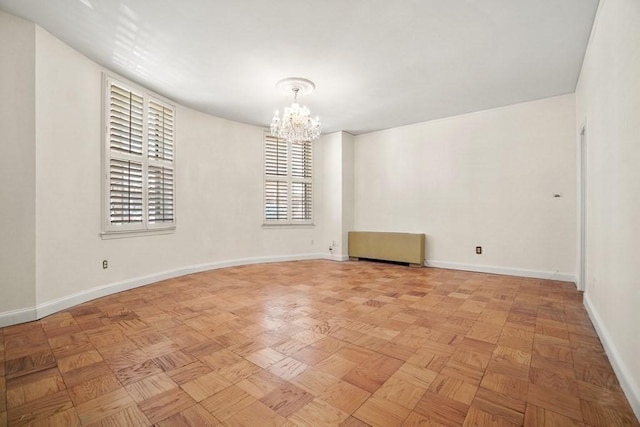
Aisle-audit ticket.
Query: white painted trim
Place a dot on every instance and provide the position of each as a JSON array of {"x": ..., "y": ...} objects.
[
  {"x": 630, "y": 389},
  {"x": 13, "y": 317},
  {"x": 550, "y": 275},
  {"x": 49, "y": 307},
  {"x": 335, "y": 257}
]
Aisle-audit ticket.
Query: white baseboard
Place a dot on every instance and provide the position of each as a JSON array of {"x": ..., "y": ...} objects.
[
  {"x": 15, "y": 317},
  {"x": 551, "y": 275},
  {"x": 29, "y": 314},
  {"x": 630, "y": 388},
  {"x": 47, "y": 308},
  {"x": 335, "y": 257}
]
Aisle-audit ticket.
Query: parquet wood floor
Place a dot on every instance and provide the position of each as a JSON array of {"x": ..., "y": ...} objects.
[{"x": 315, "y": 343}]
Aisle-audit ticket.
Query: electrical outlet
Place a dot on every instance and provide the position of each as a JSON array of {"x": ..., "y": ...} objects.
[
  {"x": 105, "y": 264},
  {"x": 479, "y": 250}
]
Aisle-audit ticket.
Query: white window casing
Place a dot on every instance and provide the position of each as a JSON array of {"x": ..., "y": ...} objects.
[
  {"x": 288, "y": 182},
  {"x": 138, "y": 161}
]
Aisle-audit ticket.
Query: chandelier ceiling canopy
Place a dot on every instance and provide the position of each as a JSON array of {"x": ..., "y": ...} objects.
[{"x": 296, "y": 124}]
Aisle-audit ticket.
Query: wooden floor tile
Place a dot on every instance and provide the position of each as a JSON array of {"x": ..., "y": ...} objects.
[
  {"x": 256, "y": 414},
  {"x": 505, "y": 384},
  {"x": 555, "y": 401},
  {"x": 312, "y": 343},
  {"x": 353, "y": 422},
  {"x": 238, "y": 371},
  {"x": 500, "y": 405},
  {"x": 442, "y": 409},
  {"x": 129, "y": 416},
  {"x": 401, "y": 392},
  {"x": 487, "y": 332},
  {"x": 260, "y": 384},
  {"x": 191, "y": 417},
  {"x": 373, "y": 372},
  {"x": 378, "y": 411},
  {"x": 453, "y": 388},
  {"x": 205, "y": 386},
  {"x": 92, "y": 388},
  {"x": 173, "y": 360},
  {"x": 599, "y": 415},
  {"x": 478, "y": 417},
  {"x": 286, "y": 399},
  {"x": 70, "y": 344},
  {"x": 166, "y": 404},
  {"x": 315, "y": 381},
  {"x": 288, "y": 368},
  {"x": 29, "y": 364},
  {"x": 150, "y": 386},
  {"x": 318, "y": 413},
  {"x": 104, "y": 406},
  {"x": 336, "y": 366},
  {"x": 39, "y": 409},
  {"x": 540, "y": 417},
  {"x": 27, "y": 388},
  {"x": 189, "y": 372},
  {"x": 265, "y": 357},
  {"x": 79, "y": 360},
  {"x": 345, "y": 396},
  {"x": 228, "y": 402}
]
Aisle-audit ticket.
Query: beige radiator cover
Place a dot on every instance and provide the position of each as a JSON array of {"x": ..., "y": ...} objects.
[{"x": 400, "y": 247}]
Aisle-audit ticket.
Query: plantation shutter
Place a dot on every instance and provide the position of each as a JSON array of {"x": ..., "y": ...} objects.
[
  {"x": 125, "y": 121},
  {"x": 125, "y": 182},
  {"x": 275, "y": 157},
  {"x": 160, "y": 153},
  {"x": 301, "y": 189},
  {"x": 301, "y": 201},
  {"x": 288, "y": 181},
  {"x": 301, "y": 159},
  {"x": 139, "y": 161},
  {"x": 276, "y": 196},
  {"x": 160, "y": 132},
  {"x": 125, "y": 131},
  {"x": 160, "y": 194}
]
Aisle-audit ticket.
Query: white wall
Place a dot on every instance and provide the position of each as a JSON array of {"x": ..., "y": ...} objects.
[
  {"x": 608, "y": 101},
  {"x": 482, "y": 179},
  {"x": 17, "y": 165},
  {"x": 337, "y": 180},
  {"x": 348, "y": 189},
  {"x": 219, "y": 191},
  {"x": 331, "y": 176}
]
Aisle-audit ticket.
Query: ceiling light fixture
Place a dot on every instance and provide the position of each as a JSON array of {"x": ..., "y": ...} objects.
[{"x": 296, "y": 124}]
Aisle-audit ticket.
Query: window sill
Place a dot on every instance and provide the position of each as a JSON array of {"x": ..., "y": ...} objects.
[
  {"x": 279, "y": 226},
  {"x": 108, "y": 235}
]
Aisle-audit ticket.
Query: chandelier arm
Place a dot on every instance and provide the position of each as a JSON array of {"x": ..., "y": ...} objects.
[{"x": 296, "y": 124}]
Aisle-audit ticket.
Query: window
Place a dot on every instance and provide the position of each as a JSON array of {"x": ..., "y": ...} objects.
[
  {"x": 288, "y": 186},
  {"x": 139, "y": 188}
]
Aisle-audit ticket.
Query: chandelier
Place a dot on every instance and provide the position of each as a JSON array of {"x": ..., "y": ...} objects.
[{"x": 296, "y": 124}]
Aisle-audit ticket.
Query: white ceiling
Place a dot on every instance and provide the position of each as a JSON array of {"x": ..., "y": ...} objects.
[{"x": 376, "y": 63}]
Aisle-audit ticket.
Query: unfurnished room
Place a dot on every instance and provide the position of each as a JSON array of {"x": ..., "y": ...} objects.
[{"x": 330, "y": 213}]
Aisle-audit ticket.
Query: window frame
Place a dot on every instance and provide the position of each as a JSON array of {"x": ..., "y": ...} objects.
[
  {"x": 145, "y": 227},
  {"x": 289, "y": 180}
]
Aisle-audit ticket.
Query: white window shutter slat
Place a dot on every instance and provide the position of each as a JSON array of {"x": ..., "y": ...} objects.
[
  {"x": 160, "y": 194},
  {"x": 125, "y": 195},
  {"x": 140, "y": 144},
  {"x": 288, "y": 182},
  {"x": 125, "y": 120}
]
